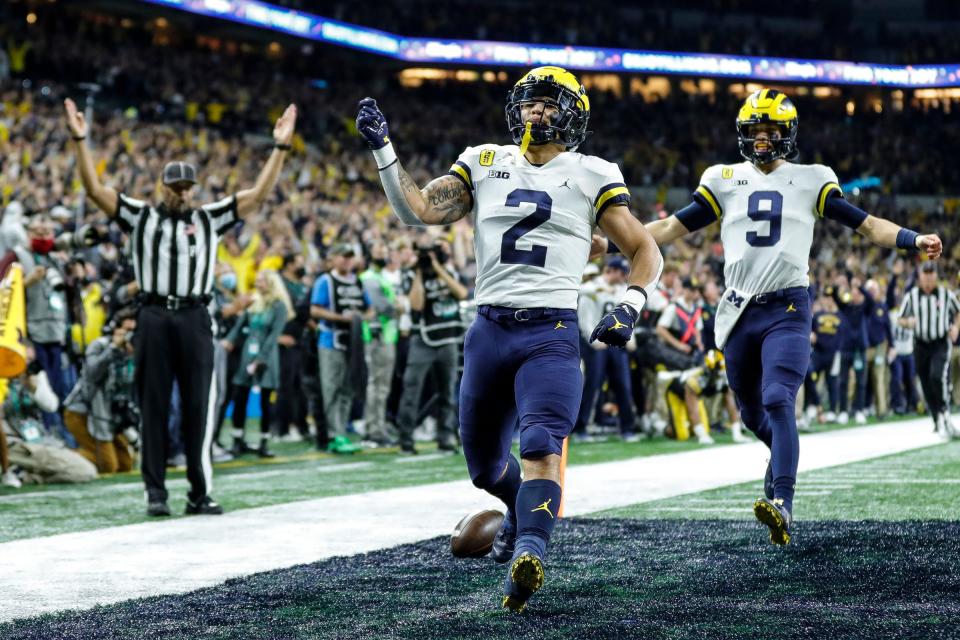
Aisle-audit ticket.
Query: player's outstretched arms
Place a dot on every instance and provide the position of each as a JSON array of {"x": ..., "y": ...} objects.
[
  {"x": 696, "y": 215},
  {"x": 444, "y": 201},
  {"x": 104, "y": 197},
  {"x": 646, "y": 265},
  {"x": 879, "y": 230}
]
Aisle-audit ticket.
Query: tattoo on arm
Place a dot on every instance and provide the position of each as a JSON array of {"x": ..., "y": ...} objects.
[
  {"x": 448, "y": 199},
  {"x": 406, "y": 182}
]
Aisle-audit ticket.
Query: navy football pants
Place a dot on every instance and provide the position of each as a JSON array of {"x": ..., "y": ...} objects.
[{"x": 526, "y": 371}]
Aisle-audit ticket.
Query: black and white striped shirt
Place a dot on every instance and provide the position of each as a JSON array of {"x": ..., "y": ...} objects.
[
  {"x": 934, "y": 312},
  {"x": 175, "y": 255}
]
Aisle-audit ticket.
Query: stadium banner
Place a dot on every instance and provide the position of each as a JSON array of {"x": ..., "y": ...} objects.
[{"x": 487, "y": 53}]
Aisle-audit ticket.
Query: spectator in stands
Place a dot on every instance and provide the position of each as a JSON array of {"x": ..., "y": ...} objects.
[
  {"x": 101, "y": 410},
  {"x": 264, "y": 320}
]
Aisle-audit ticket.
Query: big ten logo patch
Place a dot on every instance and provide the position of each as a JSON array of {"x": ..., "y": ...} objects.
[
  {"x": 495, "y": 173},
  {"x": 486, "y": 158}
]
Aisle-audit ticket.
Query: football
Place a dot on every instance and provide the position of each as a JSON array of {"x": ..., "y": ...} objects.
[{"x": 473, "y": 536}]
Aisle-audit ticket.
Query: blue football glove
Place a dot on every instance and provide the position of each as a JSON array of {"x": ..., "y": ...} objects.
[
  {"x": 616, "y": 327},
  {"x": 371, "y": 124}
]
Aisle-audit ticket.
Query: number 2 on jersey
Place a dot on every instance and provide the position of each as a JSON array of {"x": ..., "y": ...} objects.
[
  {"x": 771, "y": 212},
  {"x": 536, "y": 255}
]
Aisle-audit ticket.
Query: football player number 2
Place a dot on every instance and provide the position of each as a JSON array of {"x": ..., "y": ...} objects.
[
  {"x": 536, "y": 255},
  {"x": 765, "y": 206}
]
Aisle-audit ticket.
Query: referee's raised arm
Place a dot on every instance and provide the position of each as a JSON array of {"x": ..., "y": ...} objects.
[
  {"x": 103, "y": 196},
  {"x": 250, "y": 200}
]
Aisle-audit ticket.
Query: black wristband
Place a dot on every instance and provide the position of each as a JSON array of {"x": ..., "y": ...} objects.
[
  {"x": 282, "y": 147},
  {"x": 640, "y": 289},
  {"x": 79, "y": 138}
]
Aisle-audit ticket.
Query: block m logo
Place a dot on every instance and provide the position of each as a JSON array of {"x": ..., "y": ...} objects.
[{"x": 735, "y": 299}]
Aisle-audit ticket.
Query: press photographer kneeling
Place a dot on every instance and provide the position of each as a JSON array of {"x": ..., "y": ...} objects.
[{"x": 101, "y": 411}]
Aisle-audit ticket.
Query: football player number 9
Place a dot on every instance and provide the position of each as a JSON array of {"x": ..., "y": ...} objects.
[
  {"x": 536, "y": 255},
  {"x": 771, "y": 211}
]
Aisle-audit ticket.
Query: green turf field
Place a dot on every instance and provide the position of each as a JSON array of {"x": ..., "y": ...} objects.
[{"x": 874, "y": 555}]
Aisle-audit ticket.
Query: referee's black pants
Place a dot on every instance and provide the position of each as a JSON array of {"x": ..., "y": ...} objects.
[
  {"x": 933, "y": 369},
  {"x": 175, "y": 344}
]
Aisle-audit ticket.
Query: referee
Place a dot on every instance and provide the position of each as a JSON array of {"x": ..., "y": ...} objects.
[
  {"x": 173, "y": 247},
  {"x": 933, "y": 312}
]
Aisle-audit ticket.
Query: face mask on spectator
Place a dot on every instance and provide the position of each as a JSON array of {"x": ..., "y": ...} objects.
[
  {"x": 42, "y": 245},
  {"x": 228, "y": 281}
]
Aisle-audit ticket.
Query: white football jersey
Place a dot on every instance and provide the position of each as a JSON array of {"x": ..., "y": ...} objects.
[
  {"x": 533, "y": 224},
  {"x": 766, "y": 221}
]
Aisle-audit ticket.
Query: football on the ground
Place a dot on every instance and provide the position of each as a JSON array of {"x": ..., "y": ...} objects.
[{"x": 473, "y": 536}]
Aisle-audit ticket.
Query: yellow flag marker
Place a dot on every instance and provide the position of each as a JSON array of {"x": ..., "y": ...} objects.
[{"x": 13, "y": 321}]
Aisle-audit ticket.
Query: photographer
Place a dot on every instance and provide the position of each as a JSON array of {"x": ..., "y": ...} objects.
[
  {"x": 101, "y": 411},
  {"x": 435, "y": 294}
]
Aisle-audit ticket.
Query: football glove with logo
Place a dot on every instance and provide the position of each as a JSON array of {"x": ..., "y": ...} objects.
[
  {"x": 616, "y": 327},
  {"x": 372, "y": 125}
]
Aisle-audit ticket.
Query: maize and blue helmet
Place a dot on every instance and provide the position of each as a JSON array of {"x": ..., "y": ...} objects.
[
  {"x": 768, "y": 106},
  {"x": 561, "y": 90}
]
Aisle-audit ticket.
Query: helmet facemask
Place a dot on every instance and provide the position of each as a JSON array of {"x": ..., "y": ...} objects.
[
  {"x": 568, "y": 127},
  {"x": 784, "y": 147}
]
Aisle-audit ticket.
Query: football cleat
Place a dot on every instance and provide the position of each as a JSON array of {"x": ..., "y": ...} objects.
[
  {"x": 524, "y": 580},
  {"x": 205, "y": 507},
  {"x": 773, "y": 514},
  {"x": 768, "y": 481},
  {"x": 502, "y": 550}
]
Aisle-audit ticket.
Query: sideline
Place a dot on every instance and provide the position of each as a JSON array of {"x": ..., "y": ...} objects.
[{"x": 84, "y": 569}]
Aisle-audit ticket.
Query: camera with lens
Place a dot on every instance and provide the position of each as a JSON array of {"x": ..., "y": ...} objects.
[
  {"x": 424, "y": 262},
  {"x": 125, "y": 414}
]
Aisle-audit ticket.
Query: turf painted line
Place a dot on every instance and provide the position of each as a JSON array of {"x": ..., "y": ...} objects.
[{"x": 81, "y": 570}]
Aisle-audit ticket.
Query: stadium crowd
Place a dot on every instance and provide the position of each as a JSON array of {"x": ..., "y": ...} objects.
[{"x": 391, "y": 336}]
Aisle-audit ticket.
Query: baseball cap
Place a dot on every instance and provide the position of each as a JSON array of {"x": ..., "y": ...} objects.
[
  {"x": 174, "y": 172},
  {"x": 342, "y": 249},
  {"x": 619, "y": 262},
  {"x": 929, "y": 266}
]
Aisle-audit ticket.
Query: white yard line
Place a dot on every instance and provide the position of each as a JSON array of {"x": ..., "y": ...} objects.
[{"x": 81, "y": 570}]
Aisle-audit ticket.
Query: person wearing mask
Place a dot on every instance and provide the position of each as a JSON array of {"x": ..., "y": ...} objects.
[
  {"x": 291, "y": 400},
  {"x": 381, "y": 337},
  {"x": 681, "y": 323},
  {"x": 337, "y": 301},
  {"x": 47, "y": 313},
  {"x": 879, "y": 341},
  {"x": 597, "y": 298},
  {"x": 260, "y": 359},
  {"x": 855, "y": 306},
  {"x": 435, "y": 295},
  {"x": 825, "y": 337}
]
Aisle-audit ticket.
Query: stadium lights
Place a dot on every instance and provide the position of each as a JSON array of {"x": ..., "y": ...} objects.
[{"x": 487, "y": 53}]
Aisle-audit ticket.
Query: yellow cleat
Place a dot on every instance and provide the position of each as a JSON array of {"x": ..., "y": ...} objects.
[
  {"x": 773, "y": 514},
  {"x": 526, "y": 578}
]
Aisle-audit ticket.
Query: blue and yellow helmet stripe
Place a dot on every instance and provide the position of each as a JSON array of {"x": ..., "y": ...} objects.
[{"x": 768, "y": 106}]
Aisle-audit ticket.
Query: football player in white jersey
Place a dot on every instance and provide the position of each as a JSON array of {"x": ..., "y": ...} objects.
[
  {"x": 535, "y": 204},
  {"x": 767, "y": 207}
]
